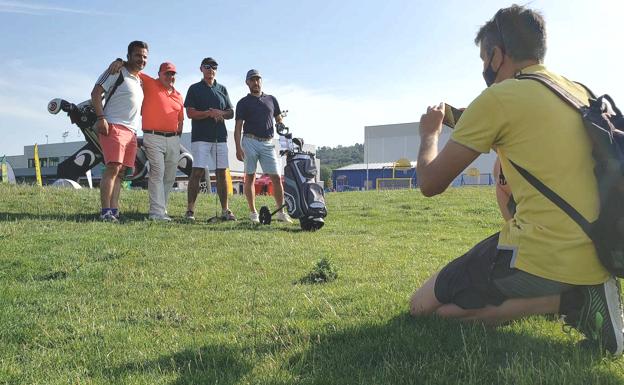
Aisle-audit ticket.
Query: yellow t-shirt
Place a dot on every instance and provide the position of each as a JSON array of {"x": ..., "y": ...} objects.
[{"x": 527, "y": 123}]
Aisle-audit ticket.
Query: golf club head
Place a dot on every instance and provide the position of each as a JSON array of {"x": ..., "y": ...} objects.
[
  {"x": 281, "y": 129},
  {"x": 214, "y": 219},
  {"x": 54, "y": 107}
]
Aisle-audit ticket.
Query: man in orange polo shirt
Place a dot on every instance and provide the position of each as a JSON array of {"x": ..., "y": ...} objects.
[{"x": 163, "y": 118}]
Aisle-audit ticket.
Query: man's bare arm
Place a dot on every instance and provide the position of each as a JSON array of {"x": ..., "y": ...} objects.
[
  {"x": 101, "y": 125},
  {"x": 435, "y": 171},
  {"x": 238, "y": 128}
]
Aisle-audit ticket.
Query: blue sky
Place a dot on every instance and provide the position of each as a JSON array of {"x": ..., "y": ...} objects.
[{"x": 336, "y": 66}]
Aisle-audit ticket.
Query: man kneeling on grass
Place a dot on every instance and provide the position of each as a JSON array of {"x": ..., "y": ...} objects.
[{"x": 541, "y": 262}]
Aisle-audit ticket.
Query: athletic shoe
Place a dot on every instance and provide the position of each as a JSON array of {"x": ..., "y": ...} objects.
[
  {"x": 160, "y": 218},
  {"x": 108, "y": 217},
  {"x": 190, "y": 216},
  {"x": 600, "y": 316},
  {"x": 283, "y": 217},
  {"x": 226, "y": 215},
  {"x": 254, "y": 217}
]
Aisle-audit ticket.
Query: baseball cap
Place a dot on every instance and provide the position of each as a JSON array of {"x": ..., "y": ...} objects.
[
  {"x": 209, "y": 60},
  {"x": 253, "y": 73},
  {"x": 167, "y": 67}
]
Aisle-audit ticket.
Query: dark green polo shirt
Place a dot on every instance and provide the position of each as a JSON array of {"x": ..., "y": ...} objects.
[{"x": 202, "y": 97}]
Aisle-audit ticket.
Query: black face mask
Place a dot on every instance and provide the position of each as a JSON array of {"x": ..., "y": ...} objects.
[{"x": 489, "y": 75}]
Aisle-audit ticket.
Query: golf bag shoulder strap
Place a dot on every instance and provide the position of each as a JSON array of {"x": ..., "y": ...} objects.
[
  {"x": 554, "y": 198},
  {"x": 557, "y": 89},
  {"x": 111, "y": 92}
]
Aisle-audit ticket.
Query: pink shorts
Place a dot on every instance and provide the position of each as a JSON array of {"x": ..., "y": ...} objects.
[{"x": 119, "y": 146}]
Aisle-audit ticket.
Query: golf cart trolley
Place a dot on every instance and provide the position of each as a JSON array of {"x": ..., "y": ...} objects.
[{"x": 303, "y": 197}]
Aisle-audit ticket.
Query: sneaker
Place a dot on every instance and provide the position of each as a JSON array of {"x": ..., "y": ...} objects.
[
  {"x": 108, "y": 217},
  {"x": 600, "y": 316},
  {"x": 254, "y": 217},
  {"x": 160, "y": 218},
  {"x": 283, "y": 217},
  {"x": 189, "y": 216},
  {"x": 226, "y": 215}
]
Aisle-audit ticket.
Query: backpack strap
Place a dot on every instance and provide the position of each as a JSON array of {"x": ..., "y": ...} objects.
[
  {"x": 556, "y": 89},
  {"x": 574, "y": 102},
  {"x": 591, "y": 94},
  {"x": 554, "y": 198}
]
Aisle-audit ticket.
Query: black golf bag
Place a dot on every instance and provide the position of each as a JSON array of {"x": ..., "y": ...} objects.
[
  {"x": 304, "y": 198},
  {"x": 87, "y": 157}
]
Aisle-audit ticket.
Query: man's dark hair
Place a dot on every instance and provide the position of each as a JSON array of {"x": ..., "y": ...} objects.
[
  {"x": 136, "y": 44},
  {"x": 520, "y": 32}
]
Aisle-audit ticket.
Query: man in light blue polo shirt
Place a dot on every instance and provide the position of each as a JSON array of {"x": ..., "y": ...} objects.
[{"x": 254, "y": 118}]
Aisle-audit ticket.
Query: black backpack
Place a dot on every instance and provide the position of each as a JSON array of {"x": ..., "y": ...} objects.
[{"x": 604, "y": 125}]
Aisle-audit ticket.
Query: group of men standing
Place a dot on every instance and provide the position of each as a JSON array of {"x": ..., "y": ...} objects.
[{"x": 134, "y": 99}]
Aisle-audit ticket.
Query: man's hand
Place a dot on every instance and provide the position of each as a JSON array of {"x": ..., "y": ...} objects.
[
  {"x": 101, "y": 125},
  {"x": 115, "y": 66},
  {"x": 431, "y": 121},
  {"x": 240, "y": 154},
  {"x": 216, "y": 114}
]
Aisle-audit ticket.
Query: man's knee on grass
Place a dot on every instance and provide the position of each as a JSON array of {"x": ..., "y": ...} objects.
[{"x": 423, "y": 301}]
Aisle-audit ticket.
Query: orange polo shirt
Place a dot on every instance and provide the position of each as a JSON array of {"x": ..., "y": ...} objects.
[{"x": 162, "y": 110}]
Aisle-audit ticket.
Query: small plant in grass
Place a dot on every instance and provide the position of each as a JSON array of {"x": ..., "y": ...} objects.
[{"x": 324, "y": 271}]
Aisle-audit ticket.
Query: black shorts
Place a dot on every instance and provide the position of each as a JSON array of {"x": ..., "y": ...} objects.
[{"x": 484, "y": 276}]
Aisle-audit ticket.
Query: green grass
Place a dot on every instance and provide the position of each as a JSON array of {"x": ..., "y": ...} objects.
[{"x": 85, "y": 302}]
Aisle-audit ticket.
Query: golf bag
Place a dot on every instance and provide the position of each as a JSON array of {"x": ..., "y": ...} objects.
[
  {"x": 87, "y": 157},
  {"x": 304, "y": 198}
]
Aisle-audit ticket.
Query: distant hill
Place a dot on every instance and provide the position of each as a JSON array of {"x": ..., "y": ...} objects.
[{"x": 335, "y": 157}]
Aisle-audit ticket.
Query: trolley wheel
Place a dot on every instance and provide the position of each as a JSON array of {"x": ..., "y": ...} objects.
[
  {"x": 308, "y": 224},
  {"x": 265, "y": 215}
]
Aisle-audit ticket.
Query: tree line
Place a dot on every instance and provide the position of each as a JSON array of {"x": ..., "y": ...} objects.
[{"x": 339, "y": 156}]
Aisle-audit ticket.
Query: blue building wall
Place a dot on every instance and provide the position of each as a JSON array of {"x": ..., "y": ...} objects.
[{"x": 356, "y": 179}]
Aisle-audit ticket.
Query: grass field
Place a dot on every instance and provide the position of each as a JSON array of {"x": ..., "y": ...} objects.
[{"x": 85, "y": 302}]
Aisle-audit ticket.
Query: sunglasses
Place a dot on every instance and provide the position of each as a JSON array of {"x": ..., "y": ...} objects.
[
  {"x": 210, "y": 67},
  {"x": 170, "y": 73}
]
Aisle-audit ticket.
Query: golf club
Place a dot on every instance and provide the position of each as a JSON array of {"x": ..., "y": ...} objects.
[{"x": 216, "y": 217}]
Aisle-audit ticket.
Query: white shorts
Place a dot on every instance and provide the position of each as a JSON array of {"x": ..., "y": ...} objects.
[{"x": 207, "y": 154}]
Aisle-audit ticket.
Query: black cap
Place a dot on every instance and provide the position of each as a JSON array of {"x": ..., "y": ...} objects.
[
  {"x": 209, "y": 60},
  {"x": 252, "y": 73}
]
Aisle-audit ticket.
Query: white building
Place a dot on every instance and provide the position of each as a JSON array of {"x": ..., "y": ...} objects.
[{"x": 391, "y": 142}]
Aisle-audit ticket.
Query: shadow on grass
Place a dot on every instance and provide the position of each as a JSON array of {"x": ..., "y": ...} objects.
[
  {"x": 434, "y": 351},
  {"x": 51, "y": 217},
  {"x": 210, "y": 364},
  {"x": 131, "y": 217},
  {"x": 72, "y": 217}
]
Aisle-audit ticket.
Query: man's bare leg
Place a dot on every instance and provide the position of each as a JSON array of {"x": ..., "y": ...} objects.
[
  {"x": 107, "y": 184},
  {"x": 250, "y": 191},
  {"x": 193, "y": 187}
]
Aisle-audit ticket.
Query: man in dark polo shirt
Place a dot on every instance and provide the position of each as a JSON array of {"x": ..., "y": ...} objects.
[
  {"x": 208, "y": 105},
  {"x": 254, "y": 117}
]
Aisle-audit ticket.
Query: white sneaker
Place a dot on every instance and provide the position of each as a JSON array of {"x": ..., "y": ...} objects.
[
  {"x": 160, "y": 218},
  {"x": 283, "y": 217},
  {"x": 254, "y": 217}
]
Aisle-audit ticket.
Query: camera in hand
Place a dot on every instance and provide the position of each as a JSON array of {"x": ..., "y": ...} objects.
[{"x": 451, "y": 115}]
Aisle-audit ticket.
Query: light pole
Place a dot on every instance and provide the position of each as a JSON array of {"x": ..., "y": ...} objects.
[{"x": 46, "y": 138}]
